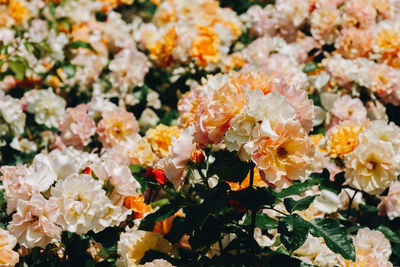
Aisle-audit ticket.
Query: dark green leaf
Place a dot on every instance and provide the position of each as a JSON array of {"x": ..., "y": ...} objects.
[
  {"x": 296, "y": 188},
  {"x": 177, "y": 230},
  {"x": 293, "y": 230},
  {"x": 169, "y": 117},
  {"x": 325, "y": 183},
  {"x": 148, "y": 222},
  {"x": 335, "y": 236},
  {"x": 81, "y": 44},
  {"x": 254, "y": 198},
  {"x": 263, "y": 221},
  {"x": 229, "y": 167},
  {"x": 389, "y": 234},
  {"x": 301, "y": 204}
]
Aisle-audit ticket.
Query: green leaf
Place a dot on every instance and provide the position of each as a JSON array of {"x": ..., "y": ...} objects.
[
  {"x": 29, "y": 47},
  {"x": 81, "y": 44},
  {"x": 293, "y": 230},
  {"x": 19, "y": 68},
  {"x": 136, "y": 168},
  {"x": 389, "y": 234},
  {"x": 309, "y": 67},
  {"x": 301, "y": 204},
  {"x": 254, "y": 198},
  {"x": 3, "y": 50},
  {"x": 263, "y": 221},
  {"x": 229, "y": 167},
  {"x": 148, "y": 222},
  {"x": 69, "y": 70},
  {"x": 322, "y": 179},
  {"x": 335, "y": 236},
  {"x": 296, "y": 188},
  {"x": 169, "y": 117},
  {"x": 178, "y": 229},
  {"x": 52, "y": 9}
]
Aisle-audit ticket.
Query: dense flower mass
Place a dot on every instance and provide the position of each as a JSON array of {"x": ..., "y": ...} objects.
[{"x": 199, "y": 133}]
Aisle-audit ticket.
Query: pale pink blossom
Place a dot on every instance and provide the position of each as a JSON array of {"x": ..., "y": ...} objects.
[
  {"x": 360, "y": 13},
  {"x": 347, "y": 108},
  {"x": 372, "y": 249},
  {"x": 353, "y": 43},
  {"x": 76, "y": 127},
  {"x": 175, "y": 163},
  {"x": 298, "y": 99},
  {"x": 390, "y": 204},
  {"x": 385, "y": 82},
  {"x": 118, "y": 176},
  {"x": 34, "y": 222},
  {"x": 324, "y": 22},
  {"x": 20, "y": 182},
  {"x": 268, "y": 21}
]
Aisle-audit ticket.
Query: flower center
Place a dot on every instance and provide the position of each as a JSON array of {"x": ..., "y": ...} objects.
[
  {"x": 371, "y": 165},
  {"x": 282, "y": 152},
  {"x": 34, "y": 219}
]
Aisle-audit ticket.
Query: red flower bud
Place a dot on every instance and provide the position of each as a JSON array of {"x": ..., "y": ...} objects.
[
  {"x": 198, "y": 156},
  {"x": 88, "y": 171},
  {"x": 160, "y": 176},
  {"x": 149, "y": 173}
]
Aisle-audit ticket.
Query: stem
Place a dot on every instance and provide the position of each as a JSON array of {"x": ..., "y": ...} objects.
[
  {"x": 220, "y": 245},
  {"x": 350, "y": 202},
  {"x": 271, "y": 208},
  {"x": 251, "y": 176},
  {"x": 202, "y": 176},
  {"x": 153, "y": 198},
  {"x": 253, "y": 212}
]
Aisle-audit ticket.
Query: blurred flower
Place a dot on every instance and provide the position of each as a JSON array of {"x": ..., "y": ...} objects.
[
  {"x": 8, "y": 257},
  {"x": 76, "y": 127},
  {"x": 47, "y": 107},
  {"x": 12, "y": 117},
  {"x": 117, "y": 126},
  {"x": 347, "y": 108},
  {"x": 390, "y": 204}
]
